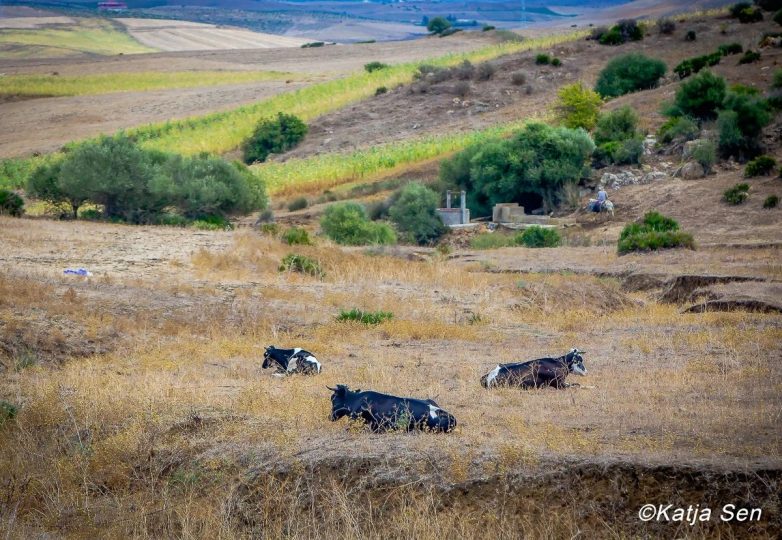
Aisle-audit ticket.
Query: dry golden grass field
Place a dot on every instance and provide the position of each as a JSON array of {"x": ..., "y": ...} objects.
[{"x": 144, "y": 411}]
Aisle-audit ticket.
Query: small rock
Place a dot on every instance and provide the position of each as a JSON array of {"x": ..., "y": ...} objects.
[
  {"x": 653, "y": 176},
  {"x": 692, "y": 171}
]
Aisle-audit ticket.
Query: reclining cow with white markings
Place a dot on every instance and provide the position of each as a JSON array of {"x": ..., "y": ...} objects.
[{"x": 290, "y": 361}]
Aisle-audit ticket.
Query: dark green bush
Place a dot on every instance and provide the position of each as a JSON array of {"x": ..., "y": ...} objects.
[
  {"x": 487, "y": 27},
  {"x": 617, "y": 138},
  {"x": 678, "y": 129},
  {"x": 622, "y": 32},
  {"x": 701, "y": 96},
  {"x": 312, "y": 44},
  {"x": 299, "y": 203},
  {"x": 750, "y": 15},
  {"x": 655, "y": 231},
  {"x": 296, "y": 237},
  {"x": 736, "y": 9},
  {"x": 737, "y": 194},
  {"x": 760, "y": 166},
  {"x": 771, "y": 201},
  {"x": 694, "y": 65},
  {"x": 690, "y": 35},
  {"x": 438, "y": 25},
  {"x": 8, "y": 412},
  {"x": 666, "y": 26},
  {"x": 380, "y": 90},
  {"x": 11, "y": 204},
  {"x": 652, "y": 240},
  {"x": 749, "y": 57},
  {"x": 629, "y": 73},
  {"x": 538, "y": 160},
  {"x": 538, "y": 237},
  {"x": 556, "y": 62},
  {"x": 273, "y": 136},
  {"x": 415, "y": 214},
  {"x": 347, "y": 223},
  {"x": 726, "y": 49},
  {"x": 293, "y": 262},
  {"x": 374, "y": 66},
  {"x": 740, "y": 125},
  {"x": 93, "y": 214},
  {"x": 365, "y": 317},
  {"x": 542, "y": 59}
]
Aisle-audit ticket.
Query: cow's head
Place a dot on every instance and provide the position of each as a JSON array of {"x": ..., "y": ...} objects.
[
  {"x": 267, "y": 360},
  {"x": 445, "y": 421},
  {"x": 339, "y": 403},
  {"x": 575, "y": 362}
]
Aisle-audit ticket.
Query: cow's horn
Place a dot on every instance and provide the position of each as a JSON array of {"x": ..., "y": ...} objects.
[{"x": 332, "y": 389}]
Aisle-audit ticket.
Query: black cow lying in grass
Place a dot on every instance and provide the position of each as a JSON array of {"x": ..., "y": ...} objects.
[
  {"x": 385, "y": 413},
  {"x": 289, "y": 361},
  {"x": 537, "y": 373}
]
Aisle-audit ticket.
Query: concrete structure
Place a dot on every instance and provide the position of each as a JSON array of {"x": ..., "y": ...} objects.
[
  {"x": 508, "y": 213},
  {"x": 455, "y": 216}
]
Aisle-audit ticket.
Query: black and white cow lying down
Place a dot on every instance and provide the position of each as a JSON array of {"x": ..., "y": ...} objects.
[
  {"x": 384, "y": 412},
  {"x": 289, "y": 361},
  {"x": 538, "y": 373}
]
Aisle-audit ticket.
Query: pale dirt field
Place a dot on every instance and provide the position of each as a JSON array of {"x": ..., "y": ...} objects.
[{"x": 166, "y": 35}]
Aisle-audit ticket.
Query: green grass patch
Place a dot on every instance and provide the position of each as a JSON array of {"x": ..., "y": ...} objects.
[
  {"x": 736, "y": 195},
  {"x": 293, "y": 262},
  {"x": 328, "y": 170},
  {"x": 106, "y": 83},
  {"x": 365, "y": 317},
  {"x": 531, "y": 237},
  {"x": 96, "y": 36},
  {"x": 654, "y": 232}
]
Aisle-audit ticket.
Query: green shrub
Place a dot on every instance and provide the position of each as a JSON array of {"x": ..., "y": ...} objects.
[
  {"x": 269, "y": 229},
  {"x": 726, "y": 49},
  {"x": 737, "y": 194},
  {"x": 11, "y": 204},
  {"x": 374, "y": 66},
  {"x": 701, "y": 96},
  {"x": 750, "y": 15},
  {"x": 438, "y": 25},
  {"x": 347, "y": 223},
  {"x": 771, "y": 201},
  {"x": 415, "y": 214},
  {"x": 93, "y": 214},
  {"x": 167, "y": 219},
  {"x": 293, "y": 262},
  {"x": 622, "y": 32},
  {"x": 365, "y": 317},
  {"x": 736, "y": 9},
  {"x": 8, "y": 412},
  {"x": 666, "y": 26},
  {"x": 542, "y": 59},
  {"x": 296, "y": 237},
  {"x": 538, "y": 237},
  {"x": 612, "y": 36},
  {"x": 694, "y": 65},
  {"x": 740, "y": 125},
  {"x": 679, "y": 129},
  {"x": 212, "y": 223},
  {"x": 556, "y": 62},
  {"x": 299, "y": 203},
  {"x": 485, "y": 71},
  {"x": 617, "y": 138},
  {"x": 273, "y": 136},
  {"x": 313, "y": 44},
  {"x": 705, "y": 153},
  {"x": 744, "y": 90},
  {"x": 760, "y": 166},
  {"x": 487, "y": 27},
  {"x": 537, "y": 160},
  {"x": 652, "y": 240},
  {"x": 578, "y": 106},
  {"x": 655, "y": 231},
  {"x": 629, "y": 73},
  {"x": 749, "y": 57},
  {"x": 690, "y": 36},
  {"x": 380, "y": 90}
]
